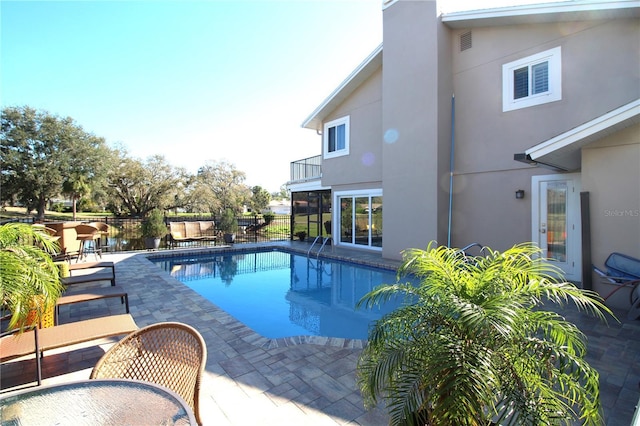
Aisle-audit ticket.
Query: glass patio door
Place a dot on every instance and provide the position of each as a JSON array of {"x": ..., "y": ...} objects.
[
  {"x": 556, "y": 221},
  {"x": 360, "y": 219}
]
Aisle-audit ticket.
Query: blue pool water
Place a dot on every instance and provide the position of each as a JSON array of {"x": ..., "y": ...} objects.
[{"x": 279, "y": 294}]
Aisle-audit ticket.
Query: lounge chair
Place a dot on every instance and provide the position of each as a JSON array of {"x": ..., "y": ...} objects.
[
  {"x": 105, "y": 271},
  {"x": 70, "y": 298},
  {"x": 37, "y": 341},
  {"x": 169, "y": 354}
]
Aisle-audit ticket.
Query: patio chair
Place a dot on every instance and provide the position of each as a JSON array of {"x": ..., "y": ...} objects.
[
  {"x": 169, "y": 354},
  {"x": 623, "y": 271}
]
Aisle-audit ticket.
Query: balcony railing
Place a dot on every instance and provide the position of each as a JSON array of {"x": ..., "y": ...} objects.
[{"x": 306, "y": 169}]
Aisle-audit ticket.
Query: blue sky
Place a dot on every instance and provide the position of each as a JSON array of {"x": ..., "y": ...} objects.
[{"x": 191, "y": 80}]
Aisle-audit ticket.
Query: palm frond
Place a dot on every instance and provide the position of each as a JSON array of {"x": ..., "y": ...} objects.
[
  {"x": 473, "y": 344},
  {"x": 29, "y": 279}
]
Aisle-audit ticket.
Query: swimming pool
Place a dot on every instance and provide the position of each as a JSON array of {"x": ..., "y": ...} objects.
[{"x": 280, "y": 294}]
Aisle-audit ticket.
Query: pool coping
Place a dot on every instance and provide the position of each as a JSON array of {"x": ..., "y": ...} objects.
[
  {"x": 246, "y": 333},
  {"x": 380, "y": 263}
]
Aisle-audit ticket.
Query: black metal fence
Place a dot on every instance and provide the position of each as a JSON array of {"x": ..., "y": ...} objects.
[{"x": 125, "y": 235}]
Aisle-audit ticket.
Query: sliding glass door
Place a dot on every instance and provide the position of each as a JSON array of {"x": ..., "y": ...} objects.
[{"x": 360, "y": 218}]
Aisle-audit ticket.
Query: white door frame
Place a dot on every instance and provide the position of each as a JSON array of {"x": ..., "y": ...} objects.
[
  {"x": 572, "y": 268},
  {"x": 337, "y": 215}
]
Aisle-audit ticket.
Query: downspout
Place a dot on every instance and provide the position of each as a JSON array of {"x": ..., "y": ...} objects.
[{"x": 453, "y": 139}]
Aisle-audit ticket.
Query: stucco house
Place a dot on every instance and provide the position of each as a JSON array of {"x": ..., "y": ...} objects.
[{"x": 495, "y": 126}]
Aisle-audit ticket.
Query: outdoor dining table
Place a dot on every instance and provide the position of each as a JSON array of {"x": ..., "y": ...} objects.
[{"x": 96, "y": 402}]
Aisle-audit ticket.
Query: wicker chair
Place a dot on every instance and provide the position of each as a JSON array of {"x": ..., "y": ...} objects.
[{"x": 169, "y": 354}]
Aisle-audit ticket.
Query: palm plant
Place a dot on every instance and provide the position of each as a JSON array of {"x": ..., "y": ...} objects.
[
  {"x": 153, "y": 225},
  {"x": 474, "y": 346},
  {"x": 228, "y": 222},
  {"x": 229, "y": 226},
  {"x": 29, "y": 279}
]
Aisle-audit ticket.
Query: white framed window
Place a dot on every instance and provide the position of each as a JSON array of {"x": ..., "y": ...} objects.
[
  {"x": 533, "y": 80},
  {"x": 336, "y": 138}
]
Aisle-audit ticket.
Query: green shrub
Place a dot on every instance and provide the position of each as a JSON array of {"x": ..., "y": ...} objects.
[
  {"x": 153, "y": 226},
  {"x": 268, "y": 217},
  {"x": 228, "y": 222},
  {"x": 58, "y": 207}
]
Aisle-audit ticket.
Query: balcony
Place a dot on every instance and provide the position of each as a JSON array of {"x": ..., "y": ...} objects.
[{"x": 306, "y": 170}]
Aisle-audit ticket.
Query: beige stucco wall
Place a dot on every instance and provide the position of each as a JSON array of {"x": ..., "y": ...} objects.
[
  {"x": 596, "y": 78},
  {"x": 592, "y": 69},
  {"x": 486, "y": 210},
  {"x": 364, "y": 162},
  {"x": 611, "y": 175},
  {"x": 401, "y": 120},
  {"x": 410, "y": 127}
]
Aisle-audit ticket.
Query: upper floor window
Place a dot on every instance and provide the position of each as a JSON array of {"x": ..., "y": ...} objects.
[
  {"x": 532, "y": 81},
  {"x": 336, "y": 138}
]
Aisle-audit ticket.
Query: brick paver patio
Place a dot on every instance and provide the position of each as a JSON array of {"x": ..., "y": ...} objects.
[{"x": 251, "y": 380}]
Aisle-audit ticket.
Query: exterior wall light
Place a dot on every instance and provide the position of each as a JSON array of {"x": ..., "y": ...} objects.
[{"x": 520, "y": 194}]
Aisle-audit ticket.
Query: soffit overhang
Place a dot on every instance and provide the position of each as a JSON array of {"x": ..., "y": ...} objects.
[
  {"x": 543, "y": 13},
  {"x": 563, "y": 152}
]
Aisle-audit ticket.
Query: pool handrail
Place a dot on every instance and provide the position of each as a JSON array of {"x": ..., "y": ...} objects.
[{"x": 324, "y": 242}]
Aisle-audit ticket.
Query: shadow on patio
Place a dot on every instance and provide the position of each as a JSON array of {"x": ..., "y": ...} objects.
[{"x": 253, "y": 380}]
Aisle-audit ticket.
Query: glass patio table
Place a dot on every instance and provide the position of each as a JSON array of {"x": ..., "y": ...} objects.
[{"x": 93, "y": 402}]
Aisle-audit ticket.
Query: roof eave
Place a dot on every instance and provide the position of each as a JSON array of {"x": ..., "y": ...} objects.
[
  {"x": 346, "y": 88},
  {"x": 563, "y": 151},
  {"x": 541, "y": 13}
]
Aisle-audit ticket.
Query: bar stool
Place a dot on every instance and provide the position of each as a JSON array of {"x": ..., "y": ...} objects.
[
  {"x": 103, "y": 231},
  {"x": 87, "y": 235}
]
